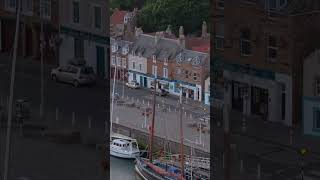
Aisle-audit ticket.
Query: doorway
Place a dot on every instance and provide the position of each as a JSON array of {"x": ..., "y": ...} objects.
[{"x": 100, "y": 61}]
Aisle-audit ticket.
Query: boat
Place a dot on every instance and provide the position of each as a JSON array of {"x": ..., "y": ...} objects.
[
  {"x": 121, "y": 146},
  {"x": 149, "y": 169}
]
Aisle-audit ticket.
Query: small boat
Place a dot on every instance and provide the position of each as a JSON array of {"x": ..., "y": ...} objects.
[{"x": 124, "y": 148}]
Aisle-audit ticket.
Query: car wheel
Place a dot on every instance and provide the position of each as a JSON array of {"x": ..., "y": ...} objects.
[
  {"x": 54, "y": 78},
  {"x": 75, "y": 83}
]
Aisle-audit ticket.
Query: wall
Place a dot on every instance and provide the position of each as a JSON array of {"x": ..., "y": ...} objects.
[
  {"x": 143, "y": 138},
  {"x": 308, "y": 105}
]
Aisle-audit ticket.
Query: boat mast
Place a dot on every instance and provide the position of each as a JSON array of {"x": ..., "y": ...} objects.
[
  {"x": 181, "y": 138},
  {"x": 153, "y": 117},
  {"x": 114, "y": 84}
]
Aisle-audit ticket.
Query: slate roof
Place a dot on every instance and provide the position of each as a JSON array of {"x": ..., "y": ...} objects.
[
  {"x": 166, "y": 48},
  {"x": 120, "y": 44}
]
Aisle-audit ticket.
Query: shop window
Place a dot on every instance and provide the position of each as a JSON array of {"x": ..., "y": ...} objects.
[
  {"x": 317, "y": 86},
  {"x": 316, "y": 118}
]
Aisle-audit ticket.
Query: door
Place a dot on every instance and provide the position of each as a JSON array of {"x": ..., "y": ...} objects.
[
  {"x": 145, "y": 83},
  {"x": 100, "y": 61},
  {"x": 141, "y": 83}
]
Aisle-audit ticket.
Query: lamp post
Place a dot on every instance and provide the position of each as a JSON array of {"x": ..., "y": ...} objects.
[
  {"x": 42, "y": 45},
  {"x": 13, "y": 73},
  {"x": 226, "y": 131}
]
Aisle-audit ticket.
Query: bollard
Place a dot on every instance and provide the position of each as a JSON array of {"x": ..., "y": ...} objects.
[
  {"x": 143, "y": 101},
  {"x": 158, "y": 105},
  {"x": 117, "y": 120},
  {"x": 241, "y": 166},
  {"x": 57, "y": 114},
  {"x": 148, "y": 104},
  {"x": 89, "y": 122},
  {"x": 259, "y": 172},
  {"x": 190, "y": 115},
  {"x": 73, "y": 119}
]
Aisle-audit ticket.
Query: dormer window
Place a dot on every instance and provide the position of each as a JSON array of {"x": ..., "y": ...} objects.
[
  {"x": 196, "y": 61},
  {"x": 125, "y": 50},
  {"x": 154, "y": 58}
]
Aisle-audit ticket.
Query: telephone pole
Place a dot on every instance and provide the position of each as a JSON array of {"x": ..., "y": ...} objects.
[{"x": 13, "y": 73}]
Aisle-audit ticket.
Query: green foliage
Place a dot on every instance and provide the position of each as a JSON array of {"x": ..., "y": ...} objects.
[
  {"x": 156, "y": 15},
  {"x": 126, "y": 4}
]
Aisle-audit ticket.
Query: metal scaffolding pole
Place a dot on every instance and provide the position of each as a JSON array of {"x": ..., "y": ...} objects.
[{"x": 13, "y": 71}]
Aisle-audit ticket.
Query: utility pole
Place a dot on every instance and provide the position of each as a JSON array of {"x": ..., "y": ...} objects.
[
  {"x": 42, "y": 45},
  {"x": 226, "y": 133},
  {"x": 112, "y": 101},
  {"x": 13, "y": 73},
  {"x": 181, "y": 138}
]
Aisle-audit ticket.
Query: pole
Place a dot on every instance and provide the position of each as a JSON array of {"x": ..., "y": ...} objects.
[
  {"x": 153, "y": 119},
  {"x": 226, "y": 134},
  {"x": 114, "y": 84},
  {"x": 13, "y": 71},
  {"x": 42, "y": 63},
  {"x": 181, "y": 139}
]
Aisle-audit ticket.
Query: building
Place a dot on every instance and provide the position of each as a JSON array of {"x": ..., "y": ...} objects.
[
  {"x": 311, "y": 94},
  {"x": 119, "y": 55},
  {"x": 168, "y": 59},
  {"x": 30, "y": 21},
  {"x": 259, "y": 54},
  {"x": 122, "y": 23},
  {"x": 84, "y": 33},
  {"x": 207, "y": 98}
]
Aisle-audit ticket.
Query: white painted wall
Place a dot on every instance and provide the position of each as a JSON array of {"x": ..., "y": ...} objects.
[
  {"x": 66, "y": 49},
  {"x": 138, "y": 60}
]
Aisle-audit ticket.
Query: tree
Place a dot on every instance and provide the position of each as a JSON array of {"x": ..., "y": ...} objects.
[
  {"x": 126, "y": 4},
  {"x": 157, "y": 15}
]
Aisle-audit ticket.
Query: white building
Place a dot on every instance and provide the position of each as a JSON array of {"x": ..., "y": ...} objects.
[
  {"x": 84, "y": 33},
  {"x": 311, "y": 94},
  {"x": 137, "y": 66}
]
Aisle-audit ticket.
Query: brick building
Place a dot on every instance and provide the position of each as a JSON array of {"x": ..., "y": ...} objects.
[
  {"x": 29, "y": 39},
  {"x": 260, "y": 54},
  {"x": 122, "y": 23}
]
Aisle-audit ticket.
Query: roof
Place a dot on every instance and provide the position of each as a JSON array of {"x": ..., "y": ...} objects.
[
  {"x": 192, "y": 57},
  {"x": 118, "y": 17},
  {"x": 120, "y": 136},
  {"x": 192, "y": 42},
  {"x": 166, "y": 48},
  {"x": 120, "y": 44}
]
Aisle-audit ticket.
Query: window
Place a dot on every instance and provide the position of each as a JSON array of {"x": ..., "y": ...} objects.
[
  {"x": 186, "y": 74},
  {"x": 165, "y": 61},
  {"x": 11, "y": 4},
  {"x": 113, "y": 58},
  {"x": 154, "y": 70},
  {"x": 317, "y": 87},
  {"x": 118, "y": 61},
  {"x": 219, "y": 38},
  {"x": 272, "y": 50},
  {"x": 194, "y": 76},
  {"x": 97, "y": 17},
  {"x": 45, "y": 7},
  {"x": 133, "y": 65},
  {"x": 276, "y": 4},
  {"x": 140, "y": 67},
  {"x": 124, "y": 63},
  {"x": 27, "y": 6},
  {"x": 78, "y": 48},
  {"x": 165, "y": 72},
  {"x": 76, "y": 12},
  {"x": 154, "y": 59},
  {"x": 220, "y": 4},
  {"x": 316, "y": 118},
  {"x": 178, "y": 71},
  {"x": 125, "y": 50},
  {"x": 245, "y": 43}
]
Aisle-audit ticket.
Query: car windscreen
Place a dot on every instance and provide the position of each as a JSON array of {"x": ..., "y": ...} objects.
[{"x": 86, "y": 70}]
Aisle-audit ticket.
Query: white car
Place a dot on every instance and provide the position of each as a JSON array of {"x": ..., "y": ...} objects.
[
  {"x": 133, "y": 85},
  {"x": 76, "y": 75}
]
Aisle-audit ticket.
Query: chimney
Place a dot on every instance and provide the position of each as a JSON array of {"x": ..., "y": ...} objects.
[
  {"x": 158, "y": 36},
  {"x": 138, "y": 31},
  {"x": 168, "y": 30},
  {"x": 204, "y": 30},
  {"x": 182, "y": 40}
]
